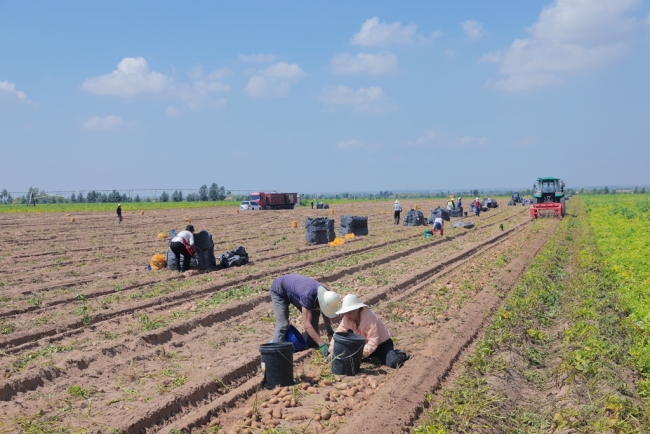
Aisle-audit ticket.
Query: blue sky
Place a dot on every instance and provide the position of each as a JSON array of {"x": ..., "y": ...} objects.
[{"x": 323, "y": 96}]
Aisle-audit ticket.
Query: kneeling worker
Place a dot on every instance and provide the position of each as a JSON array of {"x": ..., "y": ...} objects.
[
  {"x": 311, "y": 299},
  {"x": 359, "y": 319}
]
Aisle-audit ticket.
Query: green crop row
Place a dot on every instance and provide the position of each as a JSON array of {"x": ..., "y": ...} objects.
[
  {"x": 622, "y": 228},
  {"x": 556, "y": 357}
]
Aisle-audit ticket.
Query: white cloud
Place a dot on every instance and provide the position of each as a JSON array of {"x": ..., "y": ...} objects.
[
  {"x": 274, "y": 81},
  {"x": 373, "y": 33},
  {"x": 570, "y": 36},
  {"x": 365, "y": 63},
  {"x": 107, "y": 123},
  {"x": 257, "y": 58},
  {"x": 363, "y": 100},
  {"x": 171, "y": 111},
  {"x": 346, "y": 144},
  {"x": 449, "y": 52},
  {"x": 9, "y": 92},
  {"x": 473, "y": 29},
  {"x": 471, "y": 141},
  {"x": 131, "y": 78}
]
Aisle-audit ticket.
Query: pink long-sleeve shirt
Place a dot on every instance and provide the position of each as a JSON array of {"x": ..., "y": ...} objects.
[{"x": 370, "y": 327}]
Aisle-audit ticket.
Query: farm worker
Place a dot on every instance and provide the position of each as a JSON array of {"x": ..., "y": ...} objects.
[
  {"x": 477, "y": 207},
  {"x": 311, "y": 299},
  {"x": 438, "y": 223},
  {"x": 449, "y": 206},
  {"x": 359, "y": 319},
  {"x": 398, "y": 209},
  {"x": 119, "y": 213},
  {"x": 453, "y": 204},
  {"x": 459, "y": 205},
  {"x": 183, "y": 244},
  {"x": 312, "y": 204}
]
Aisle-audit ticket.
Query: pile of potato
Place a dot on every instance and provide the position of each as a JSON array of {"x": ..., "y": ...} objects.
[{"x": 322, "y": 400}]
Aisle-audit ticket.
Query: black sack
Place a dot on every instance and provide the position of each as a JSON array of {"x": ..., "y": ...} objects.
[
  {"x": 353, "y": 224},
  {"x": 414, "y": 218},
  {"x": 439, "y": 212},
  {"x": 456, "y": 212},
  {"x": 237, "y": 257},
  {"x": 319, "y": 230},
  {"x": 204, "y": 250}
]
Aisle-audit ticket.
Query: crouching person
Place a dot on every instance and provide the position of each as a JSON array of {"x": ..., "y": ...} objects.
[
  {"x": 311, "y": 299},
  {"x": 359, "y": 319}
]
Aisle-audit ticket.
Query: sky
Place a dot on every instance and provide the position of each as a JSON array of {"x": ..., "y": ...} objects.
[{"x": 323, "y": 96}]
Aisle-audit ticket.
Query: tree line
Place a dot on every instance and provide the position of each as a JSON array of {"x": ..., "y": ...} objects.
[{"x": 35, "y": 195}]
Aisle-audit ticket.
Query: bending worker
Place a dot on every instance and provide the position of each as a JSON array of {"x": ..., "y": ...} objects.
[
  {"x": 311, "y": 299},
  {"x": 359, "y": 319},
  {"x": 183, "y": 244},
  {"x": 438, "y": 223}
]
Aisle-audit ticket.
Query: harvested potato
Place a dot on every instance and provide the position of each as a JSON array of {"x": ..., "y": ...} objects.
[
  {"x": 264, "y": 405},
  {"x": 304, "y": 386},
  {"x": 277, "y": 414},
  {"x": 274, "y": 401},
  {"x": 325, "y": 414},
  {"x": 248, "y": 412},
  {"x": 247, "y": 422},
  {"x": 312, "y": 390},
  {"x": 327, "y": 382},
  {"x": 340, "y": 411},
  {"x": 277, "y": 390}
]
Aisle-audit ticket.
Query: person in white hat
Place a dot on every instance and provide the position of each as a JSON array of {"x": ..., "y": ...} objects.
[
  {"x": 359, "y": 319},
  {"x": 398, "y": 209},
  {"x": 311, "y": 298},
  {"x": 119, "y": 213}
]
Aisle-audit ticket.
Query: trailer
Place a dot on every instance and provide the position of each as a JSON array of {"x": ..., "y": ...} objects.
[{"x": 274, "y": 200}]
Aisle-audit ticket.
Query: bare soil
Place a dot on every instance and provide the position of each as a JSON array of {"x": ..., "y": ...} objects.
[{"x": 164, "y": 350}]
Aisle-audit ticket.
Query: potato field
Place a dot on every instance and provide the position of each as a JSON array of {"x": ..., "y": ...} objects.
[{"x": 93, "y": 342}]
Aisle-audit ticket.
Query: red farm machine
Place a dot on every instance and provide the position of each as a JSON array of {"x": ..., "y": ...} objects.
[
  {"x": 274, "y": 200},
  {"x": 549, "y": 197}
]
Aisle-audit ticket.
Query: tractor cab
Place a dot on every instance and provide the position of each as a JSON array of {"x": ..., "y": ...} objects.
[{"x": 549, "y": 195}]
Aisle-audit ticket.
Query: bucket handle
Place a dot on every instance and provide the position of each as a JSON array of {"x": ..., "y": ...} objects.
[{"x": 351, "y": 355}]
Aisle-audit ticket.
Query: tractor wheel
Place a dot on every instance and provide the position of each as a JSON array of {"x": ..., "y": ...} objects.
[{"x": 563, "y": 202}]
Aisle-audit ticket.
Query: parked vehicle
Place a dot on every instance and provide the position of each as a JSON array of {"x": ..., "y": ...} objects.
[
  {"x": 274, "y": 200},
  {"x": 248, "y": 205}
]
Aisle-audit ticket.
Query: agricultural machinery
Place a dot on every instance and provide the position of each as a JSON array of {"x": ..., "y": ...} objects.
[
  {"x": 549, "y": 195},
  {"x": 515, "y": 199}
]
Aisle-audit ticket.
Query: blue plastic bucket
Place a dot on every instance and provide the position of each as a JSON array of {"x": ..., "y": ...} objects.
[{"x": 294, "y": 336}]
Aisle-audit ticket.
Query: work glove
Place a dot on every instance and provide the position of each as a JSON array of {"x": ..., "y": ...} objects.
[
  {"x": 330, "y": 332},
  {"x": 324, "y": 349}
]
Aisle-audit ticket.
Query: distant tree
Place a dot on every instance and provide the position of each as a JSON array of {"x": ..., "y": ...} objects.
[
  {"x": 606, "y": 190},
  {"x": 164, "y": 197},
  {"x": 203, "y": 193},
  {"x": 137, "y": 198},
  {"x": 643, "y": 190},
  {"x": 73, "y": 198},
  {"x": 192, "y": 197},
  {"x": 213, "y": 193},
  {"x": 80, "y": 197},
  {"x": 3, "y": 196},
  {"x": 177, "y": 196},
  {"x": 636, "y": 190},
  {"x": 114, "y": 197}
]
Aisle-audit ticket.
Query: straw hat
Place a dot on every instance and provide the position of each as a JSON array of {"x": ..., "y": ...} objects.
[
  {"x": 328, "y": 301},
  {"x": 350, "y": 302},
  {"x": 396, "y": 201}
]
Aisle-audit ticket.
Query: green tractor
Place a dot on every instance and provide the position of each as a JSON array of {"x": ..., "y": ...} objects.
[{"x": 549, "y": 195}]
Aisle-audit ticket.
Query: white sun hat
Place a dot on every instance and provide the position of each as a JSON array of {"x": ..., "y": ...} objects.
[
  {"x": 350, "y": 302},
  {"x": 328, "y": 301},
  {"x": 396, "y": 201}
]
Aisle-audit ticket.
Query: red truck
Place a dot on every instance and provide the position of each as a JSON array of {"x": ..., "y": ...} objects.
[{"x": 274, "y": 200}]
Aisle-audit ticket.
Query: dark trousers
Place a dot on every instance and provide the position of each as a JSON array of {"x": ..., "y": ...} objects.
[
  {"x": 478, "y": 211},
  {"x": 388, "y": 355},
  {"x": 280, "y": 307},
  {"x": 179, "y": 249},
  {"x": 396, "y": 216}
]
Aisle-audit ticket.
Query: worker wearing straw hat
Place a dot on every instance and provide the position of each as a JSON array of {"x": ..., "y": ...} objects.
[
  {"x": 398, "y": 209},
  {"x": 359, "y": 319},
  {"x": 311, "y": 299}
]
